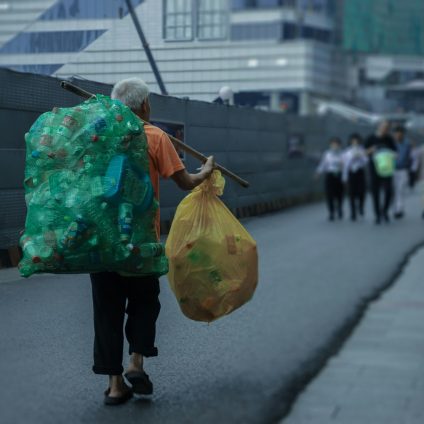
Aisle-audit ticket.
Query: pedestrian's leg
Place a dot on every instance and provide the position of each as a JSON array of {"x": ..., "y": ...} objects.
[
  {"x": 340, "y": 196},
  {"x": 352, "y": 196},
  {"x": 375, "y": 189},
  {"x": 109, "y": 300},
  {"x": 362, "y": 189},
  {"x": 388, "y": 196},
  {"x": 143, "y": 310},
  {"x": 329, "y": 194},
  {"x": 403, "y": 183},
  {"x": 398, "y": 192}
]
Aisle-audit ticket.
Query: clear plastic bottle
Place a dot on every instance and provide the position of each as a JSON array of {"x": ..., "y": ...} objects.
[
  {"x": 151, "y": 250},
  {"x": 125, "y": 221},
  {"x": 37, "y": 251},
  {"x": 73, "y": 235}
]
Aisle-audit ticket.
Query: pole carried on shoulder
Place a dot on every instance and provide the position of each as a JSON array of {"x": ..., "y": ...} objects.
[{"x": 178, "y": 143}]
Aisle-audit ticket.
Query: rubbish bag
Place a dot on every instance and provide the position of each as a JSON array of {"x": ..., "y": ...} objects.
[
  {"x": 90, "y": 202},
  {"x": 384, "y": 161},
  {"x": 213, "y": 260}
]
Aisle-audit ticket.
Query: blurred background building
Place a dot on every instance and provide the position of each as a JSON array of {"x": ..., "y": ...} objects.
[
  {"x": 385, "y": 42},
  {"x": 286, "y": 55}
]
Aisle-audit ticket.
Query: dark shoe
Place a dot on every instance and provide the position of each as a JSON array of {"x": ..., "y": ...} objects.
[
  {"x": 331, "y": 217},
  {"x": 399, "y": 215},
  {"x": 140, "y": 382},
  {"x": 353, "y": 218},
  {"x": 386, "y": 218},
  {"x": 114, "y": 401},
  {"x": 377, "y": 221},
  {"x": 340, "y": 214}
]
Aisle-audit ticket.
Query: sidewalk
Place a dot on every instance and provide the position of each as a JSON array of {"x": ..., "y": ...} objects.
[{"x": 378, "y": 377}]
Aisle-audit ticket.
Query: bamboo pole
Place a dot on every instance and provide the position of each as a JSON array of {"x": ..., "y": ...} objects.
[{"x": 178, "y": 143}]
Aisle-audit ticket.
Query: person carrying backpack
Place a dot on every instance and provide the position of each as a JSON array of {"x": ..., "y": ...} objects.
[
  {"x": 138, "y": 297},
  {"x": 382, "y": 151}
]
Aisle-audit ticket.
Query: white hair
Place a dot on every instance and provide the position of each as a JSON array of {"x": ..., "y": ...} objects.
[{"x": 132, "y": 92}]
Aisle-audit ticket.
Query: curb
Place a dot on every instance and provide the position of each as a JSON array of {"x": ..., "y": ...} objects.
[{"x": 286, "y": 397}]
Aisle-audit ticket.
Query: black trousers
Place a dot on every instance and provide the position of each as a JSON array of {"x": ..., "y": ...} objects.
[
  {"x": 379, "y": 185},
  {"x": 334, "y": 193},
  {"x": 357, "y": 191},
  {"x": 413, "y": 175},
  {"x": 113, "y": 295}
]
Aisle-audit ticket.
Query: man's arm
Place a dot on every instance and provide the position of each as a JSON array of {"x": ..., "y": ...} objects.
[
  {"x": 187, "y": 181},
  {"x": 369, "y": 145}
]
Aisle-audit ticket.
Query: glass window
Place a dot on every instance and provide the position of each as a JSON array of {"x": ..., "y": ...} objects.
[
  {"x": 83, "y": 9},
  {"x": 257, "y": 31},
  {"x": 51, "y": 42},
  {"x": 35, "y": 69},
  {"x": 261, "y": 4},
  {"x": 178, "y": 19},
  {"x": 212, "y": 21}
]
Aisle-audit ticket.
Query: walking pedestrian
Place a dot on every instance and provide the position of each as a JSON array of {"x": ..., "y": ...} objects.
[
  {"x": 138, "y": 297},
  {"x": 331, "y": 166},
  {"x": 403, "y": 163},
  {"x": 415, "y": 165},
  {"x": 381, "y": 149},
  {"x": 355, "y": 162}
]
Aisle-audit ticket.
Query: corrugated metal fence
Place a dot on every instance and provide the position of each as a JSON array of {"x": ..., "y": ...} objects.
[{"x": 276, "y": 153}]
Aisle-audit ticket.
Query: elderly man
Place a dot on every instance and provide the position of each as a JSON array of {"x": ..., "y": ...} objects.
[{"x": 114, "y": 294}]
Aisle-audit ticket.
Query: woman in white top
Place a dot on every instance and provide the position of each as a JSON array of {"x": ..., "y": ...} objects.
[
  {"x": 355, "y": 162},
  {"x": 331, "y": 166}
]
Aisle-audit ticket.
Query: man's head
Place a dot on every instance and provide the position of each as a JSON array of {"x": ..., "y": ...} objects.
[
  {"x": 335, "y": 143},
  {"x": 134, "y": 93},
  {"x": 399, "y": 133},
  {"x": 355, "y": 139},
  {"x": 383, "y": 128}
]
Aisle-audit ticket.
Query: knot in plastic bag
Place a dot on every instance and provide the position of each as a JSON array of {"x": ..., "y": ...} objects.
[{"x": 214, "y": 184}]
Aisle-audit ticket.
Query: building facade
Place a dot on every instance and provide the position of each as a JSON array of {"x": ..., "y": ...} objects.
[
  {"x": 277, "y": 54},
  {"x": 385, "y": 43}
]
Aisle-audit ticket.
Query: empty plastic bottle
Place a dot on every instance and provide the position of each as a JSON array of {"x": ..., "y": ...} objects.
[
  {"x": 125, "y": 221},
  {"x": 73, "y": 235},
  {"x": 151, "y": 250}
]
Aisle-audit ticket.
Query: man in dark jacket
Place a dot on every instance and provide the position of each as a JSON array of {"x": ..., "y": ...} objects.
[{"x": 376, "y": 142}]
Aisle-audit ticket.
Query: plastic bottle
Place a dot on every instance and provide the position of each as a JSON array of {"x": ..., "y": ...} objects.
[
  {"x": 151, "y": 250},
  {"x": 97, "y": 188},
  {"x": 73, "y": 235},
  {"x": 125, "y": 221},
  {"x": 38, "y": 252}
]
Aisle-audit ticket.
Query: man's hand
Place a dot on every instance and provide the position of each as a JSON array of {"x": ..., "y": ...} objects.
[
  {"x": 209, "y": 166},
  {"x": 188, "y": 181},
  {"x": 371, "y": 150}
]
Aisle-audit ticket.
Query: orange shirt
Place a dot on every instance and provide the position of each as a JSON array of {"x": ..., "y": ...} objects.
[{"x": 163, "y": 160}]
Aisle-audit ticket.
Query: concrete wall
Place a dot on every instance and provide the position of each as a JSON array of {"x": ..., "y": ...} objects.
[{"x": 252, "y": 143}]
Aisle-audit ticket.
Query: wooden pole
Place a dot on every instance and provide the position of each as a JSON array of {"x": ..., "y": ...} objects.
[{"x": 178, "y": 143}]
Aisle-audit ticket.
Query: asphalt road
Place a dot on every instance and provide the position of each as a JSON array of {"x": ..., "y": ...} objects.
[{"x": 314, "y": 279}]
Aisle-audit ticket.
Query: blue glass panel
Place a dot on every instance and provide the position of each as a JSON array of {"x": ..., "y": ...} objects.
[
  {"x": 36, "y": 69},
  {"x": 87, "y": 9},
  {"x": 51, "y": 42},
  {"x": 260, "y": 4},
  {"x": 292, "y": 31},
  {"x": 258, "y": 31}
]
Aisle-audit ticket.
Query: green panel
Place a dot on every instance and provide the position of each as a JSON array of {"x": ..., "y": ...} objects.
[{"x": 384, "y": 26}]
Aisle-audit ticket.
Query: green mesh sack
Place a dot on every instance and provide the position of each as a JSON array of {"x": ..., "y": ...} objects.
[{"x": 90, "y": 201}]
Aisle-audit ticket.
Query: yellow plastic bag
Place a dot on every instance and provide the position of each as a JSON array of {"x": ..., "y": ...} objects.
[{"x": 213, "y": 261}]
